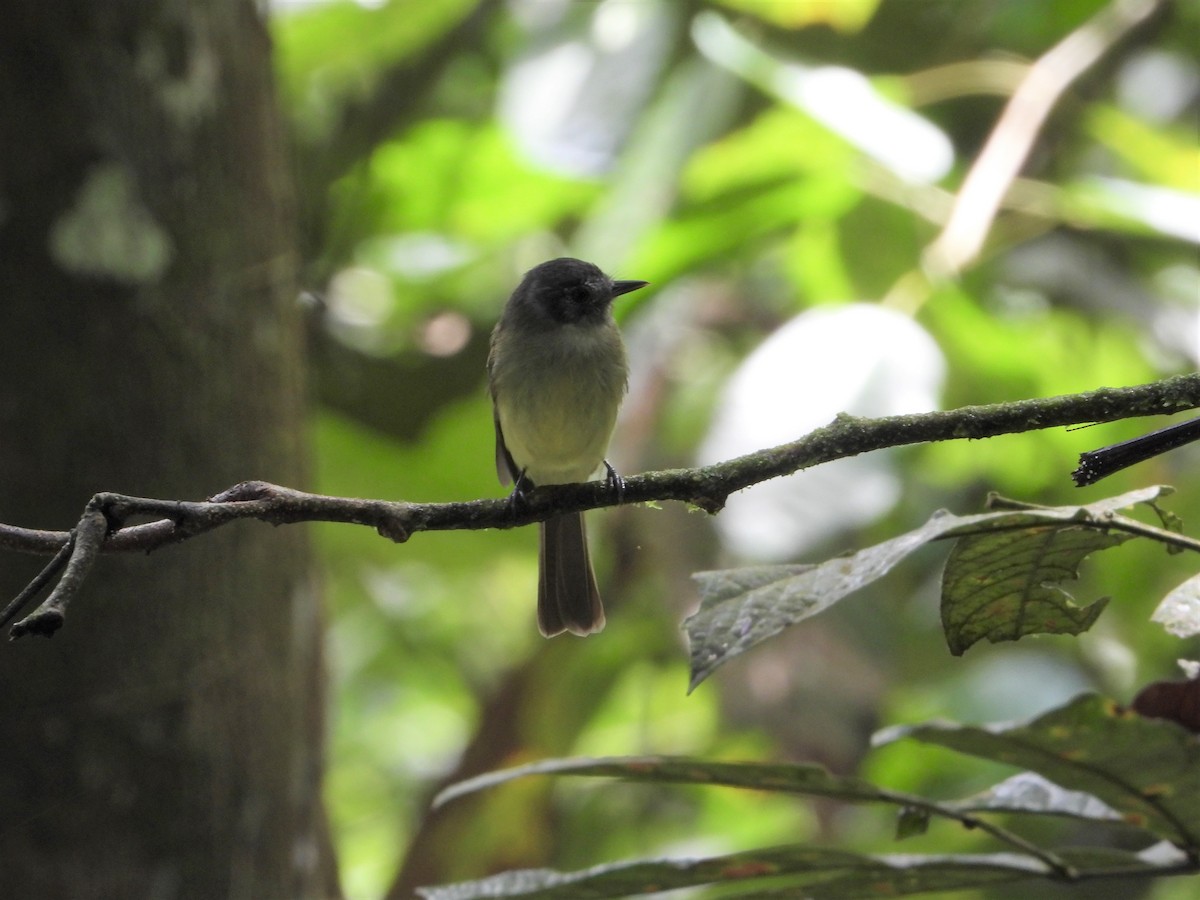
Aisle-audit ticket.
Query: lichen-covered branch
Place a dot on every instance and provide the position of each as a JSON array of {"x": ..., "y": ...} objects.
[{"x": 104, "y": 528}]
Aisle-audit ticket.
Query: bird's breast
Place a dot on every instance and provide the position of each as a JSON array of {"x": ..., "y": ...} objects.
[{"x": 557, "y": 398}]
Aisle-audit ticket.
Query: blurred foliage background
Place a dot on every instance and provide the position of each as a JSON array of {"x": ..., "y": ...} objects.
[{"x": 776, "y": 169}]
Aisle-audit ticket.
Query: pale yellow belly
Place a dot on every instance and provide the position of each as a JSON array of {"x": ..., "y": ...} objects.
[
  {"x": 557, "y": 427},
  {"x": 558, "y": 434}
]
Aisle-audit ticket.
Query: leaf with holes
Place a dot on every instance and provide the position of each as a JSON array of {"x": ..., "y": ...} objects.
[{"x": 1002, "y": 585}]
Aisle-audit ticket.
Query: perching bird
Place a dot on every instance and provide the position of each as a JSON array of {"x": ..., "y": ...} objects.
[{"x": 557, "y": 375}]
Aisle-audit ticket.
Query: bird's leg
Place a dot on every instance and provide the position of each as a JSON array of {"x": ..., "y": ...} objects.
[
  {"x": 616, "y": 484},
  {"x": 517, "y": 499}
]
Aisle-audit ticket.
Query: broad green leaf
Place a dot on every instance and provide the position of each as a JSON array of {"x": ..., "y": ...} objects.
[
  {"x": 740, "y": 608},
  {"x": 1147, "y": 770},
  {"x": 1001, "y": 584}
]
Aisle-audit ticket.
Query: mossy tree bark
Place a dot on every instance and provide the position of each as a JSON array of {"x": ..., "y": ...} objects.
[{"x": 169, "y": 742}]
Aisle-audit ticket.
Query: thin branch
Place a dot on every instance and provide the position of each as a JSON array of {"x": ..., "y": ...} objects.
[
  {"x": 80, "y": 550},
  {"x": 1060, "y": 867},
  {"x": 646, "y": 767},
  {"x": 104, "y": 527},
  {"x": 1006, "y": 150},
  {"x": 44, "y": 577},
  {"x": 1112, "y": 522}
]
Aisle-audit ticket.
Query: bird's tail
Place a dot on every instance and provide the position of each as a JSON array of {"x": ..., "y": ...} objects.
[{"x": 568, "y": 599}]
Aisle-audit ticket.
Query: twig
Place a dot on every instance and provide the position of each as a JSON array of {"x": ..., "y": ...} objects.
[
  {"x": 1013, "y": 137},
  {"x": 103, "y": 525},
  {"x": 81, "y": 552},
  {"x": 43, "y": 578},
  {"x": 1112, "y": 522},
  {"x": 1060, "y": 867}
]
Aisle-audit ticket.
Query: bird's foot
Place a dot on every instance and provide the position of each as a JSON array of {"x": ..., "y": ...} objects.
[
  {"x": 518, "y": 500},
  {"x": 616, "y": 484}
]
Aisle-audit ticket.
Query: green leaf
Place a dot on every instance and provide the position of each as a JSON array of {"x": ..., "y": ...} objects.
[
  {"x": 1179, "y": 611},
  {"x": 1147, "y": 770},
  {"x": 329, "y": 52},
  {"x": 897, "y": 875},
  {"x": 1148, "y": 773},
  {"x": 811, "y": 780},
  {"x": 1029, "y": 792},
  {"x": 915, "y": 812},
  {"x": 1000, "y": 585},
  {"x": 911, "y": 821},
  {"x": 819, "y": 873},
  {"x": 1128, "y": 207},
  {"x": 847, "y": 16},
  {"x": 507, "y": 196},
  {"x": 740, "y": 608},
  {"x": 813, "y": 864},
  {"x": 1165, "y": 157}
]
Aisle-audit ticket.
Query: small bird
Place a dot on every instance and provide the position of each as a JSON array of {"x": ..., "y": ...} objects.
[{"x": 557, "y": 374}]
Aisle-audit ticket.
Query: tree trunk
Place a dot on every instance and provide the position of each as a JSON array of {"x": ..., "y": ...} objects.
[{"x": 168, "y": 741}]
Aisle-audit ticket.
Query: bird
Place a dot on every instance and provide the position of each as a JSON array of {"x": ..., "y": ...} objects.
[{"x": 557, "y": 373}]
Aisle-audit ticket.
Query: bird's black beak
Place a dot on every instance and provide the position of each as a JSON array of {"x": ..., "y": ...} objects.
[{"x": 624, "y": 287}]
